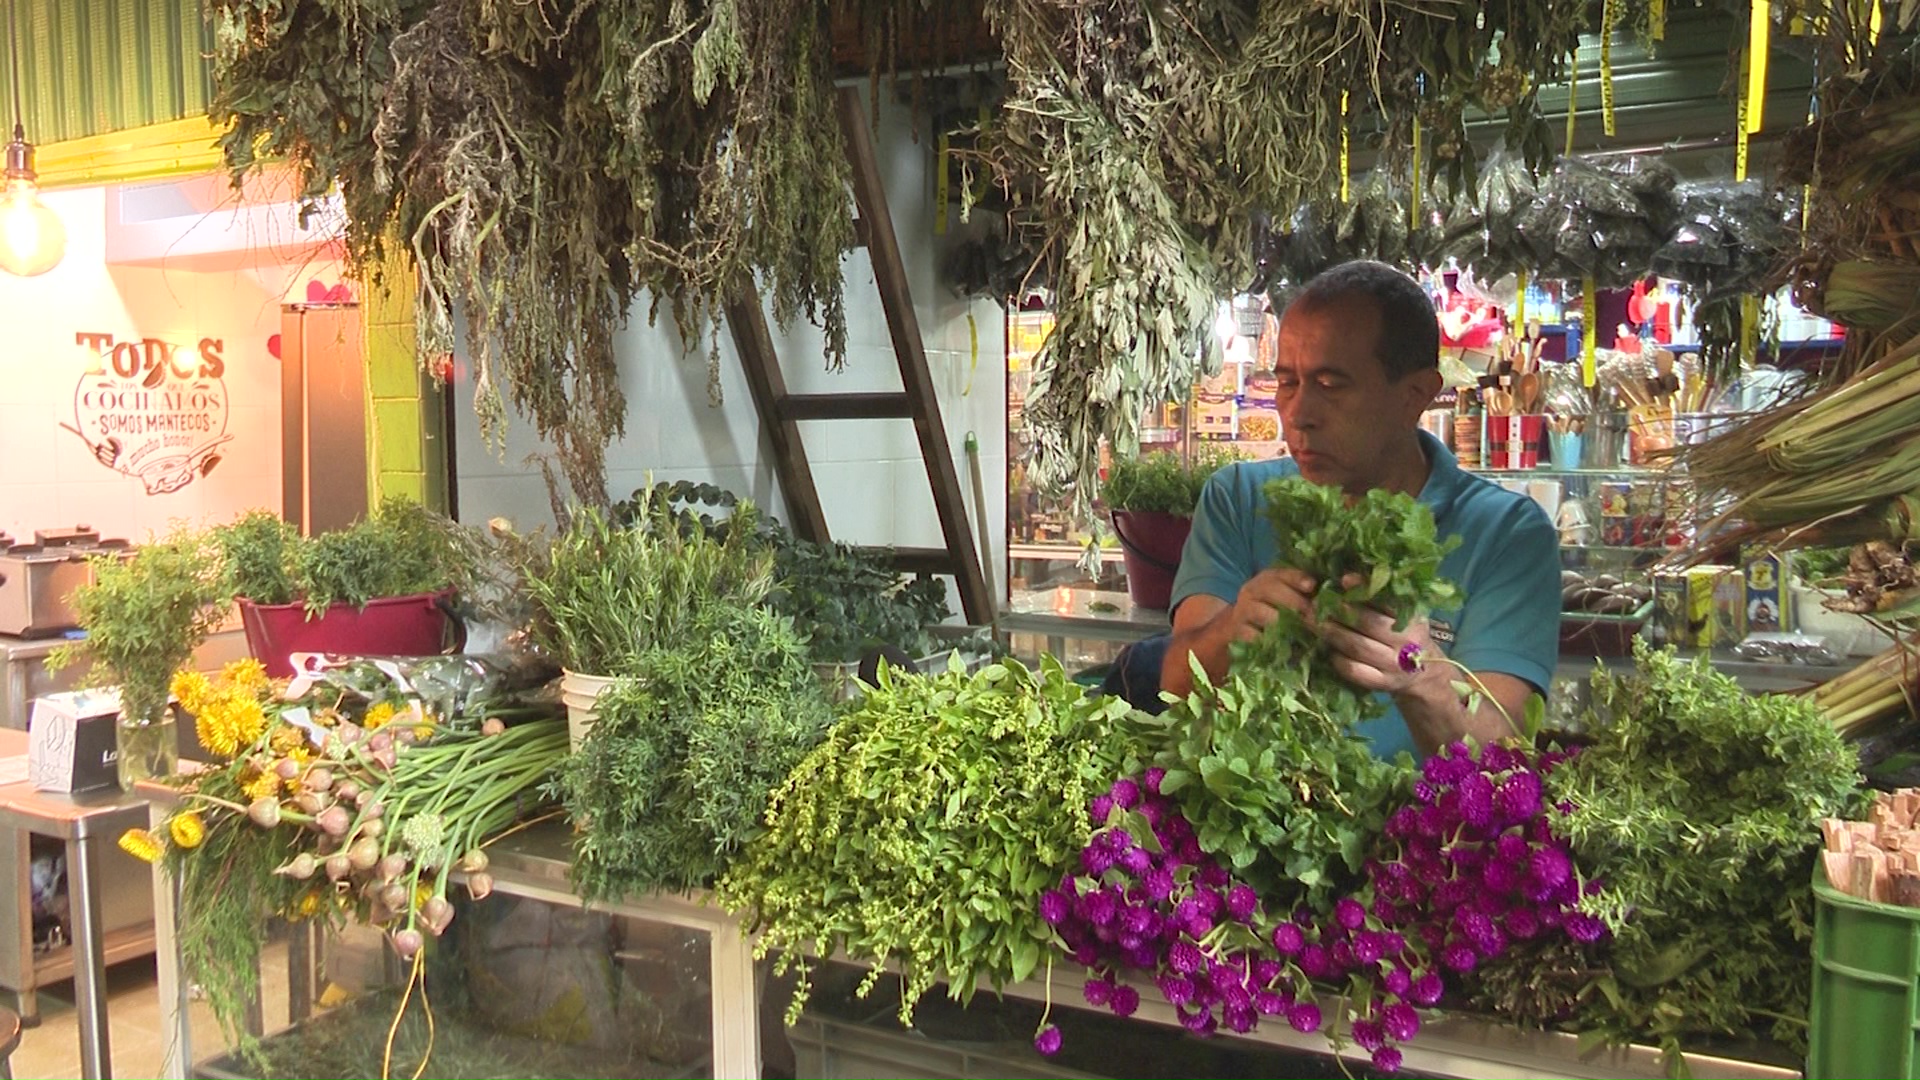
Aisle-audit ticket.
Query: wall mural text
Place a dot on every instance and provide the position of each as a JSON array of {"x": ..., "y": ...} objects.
[{"x": 152, "y": 409}]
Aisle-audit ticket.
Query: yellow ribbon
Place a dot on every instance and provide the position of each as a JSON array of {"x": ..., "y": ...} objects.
[
  {"x": 1607, "y": 15},
  {"x": 1657, "y": 20},
  {"x": 1759, "y": 29},
  {"x": 1740, "y": 124},
  {"x": 1874, "y": 22},
  {"x": 1589, "y": 341},
  {"x": 1346, "y": 194}
]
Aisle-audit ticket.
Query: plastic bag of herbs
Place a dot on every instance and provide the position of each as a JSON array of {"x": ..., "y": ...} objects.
[
  {"x": 1696, "y": 805},
  {"x": 925, "y": 828}
]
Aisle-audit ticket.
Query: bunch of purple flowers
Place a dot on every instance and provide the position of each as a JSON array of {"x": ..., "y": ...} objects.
[
  {"x": 1474, "y": 854},
  {"x": 1473, "y": 864}
]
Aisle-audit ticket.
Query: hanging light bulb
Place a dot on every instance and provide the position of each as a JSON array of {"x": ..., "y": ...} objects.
[{"x": 32, "y": 240}]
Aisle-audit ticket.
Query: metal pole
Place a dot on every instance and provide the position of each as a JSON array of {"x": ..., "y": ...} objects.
[{"x": 89, "y": 963}]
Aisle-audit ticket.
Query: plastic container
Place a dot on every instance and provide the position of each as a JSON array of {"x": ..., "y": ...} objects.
[
  {"x": 581, "y": 695},
  {"x": 1151, "y": 543},
  {"x": 1865, "y": 1017},
  {"x": 415, "y": 625}
]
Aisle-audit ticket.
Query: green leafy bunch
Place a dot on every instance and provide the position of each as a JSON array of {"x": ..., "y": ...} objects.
[
  {"x": 144, "y": 616},
  {"x": 400, "y": 549},
  {"x": 673, "y": 777},
  {"x": 1265, "y": 763},
  {"x": 1697, "y": 805},
  {"x": 924, "y": 829},
  {"x": 1162, "y": 483},
  {"x": 845, "y": 599}
]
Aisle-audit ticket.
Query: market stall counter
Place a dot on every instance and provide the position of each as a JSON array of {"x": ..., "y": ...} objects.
[{"x": 535, "y": 982}]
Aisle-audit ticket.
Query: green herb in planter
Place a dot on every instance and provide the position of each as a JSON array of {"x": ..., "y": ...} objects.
[
  {"x": 1698, "y": 807},
  {"x": 1162, "y": 483},
  {"x": 144, "y": 616},
  {"x": 402, "y": 548},
  {"x": 606, "y": 593},
  {"x": 925, "y": 828},
  {"x": 674, "y": 775}
]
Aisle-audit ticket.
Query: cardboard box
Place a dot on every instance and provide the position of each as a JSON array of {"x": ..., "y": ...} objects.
[
  {"x": 71, "y": 741},
  {"x": 1769, "y": 600},
  {"x": 1729, "y": 605}
]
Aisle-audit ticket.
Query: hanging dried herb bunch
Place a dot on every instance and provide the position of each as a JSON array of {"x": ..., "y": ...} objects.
[
  {"x": 545, "y": 162},
  {"x": 1139, "y": 141}
]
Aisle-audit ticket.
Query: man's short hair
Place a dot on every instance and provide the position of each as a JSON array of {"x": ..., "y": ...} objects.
[{"x": 1409, "y": 329}]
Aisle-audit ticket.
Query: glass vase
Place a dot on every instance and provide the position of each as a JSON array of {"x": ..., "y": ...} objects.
[{"x": 148, "y": 747}]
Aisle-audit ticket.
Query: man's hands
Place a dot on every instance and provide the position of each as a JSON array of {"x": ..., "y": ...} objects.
[{"x": 1261, "y": 598}]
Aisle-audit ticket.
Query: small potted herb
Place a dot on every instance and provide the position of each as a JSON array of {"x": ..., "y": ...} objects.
[
  {"x": 144, "y": 616},
  {"x": 1152, "y": 499},
  {"x": 608, "y": 591},
  {"x": 382, "y": 586}
]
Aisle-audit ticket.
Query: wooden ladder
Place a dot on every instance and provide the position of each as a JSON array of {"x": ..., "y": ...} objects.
[{"x": 781, "y": 412}]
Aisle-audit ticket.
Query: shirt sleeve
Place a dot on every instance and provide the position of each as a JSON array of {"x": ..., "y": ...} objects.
[
  {"x": 1511, "y": 620},
  {"x": 1214, "y": 561}
]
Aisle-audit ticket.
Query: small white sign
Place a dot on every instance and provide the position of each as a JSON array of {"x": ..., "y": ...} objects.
[{"x": 70, "y": 741}]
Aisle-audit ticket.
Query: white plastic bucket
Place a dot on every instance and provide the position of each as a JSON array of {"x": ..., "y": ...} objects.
[{"x": 581, "y": 695}]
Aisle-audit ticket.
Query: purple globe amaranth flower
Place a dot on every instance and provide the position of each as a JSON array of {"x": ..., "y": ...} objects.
[
  {"x": 1467, "y": 857},
  {"x": 1212, "y": 875},
  {"x": 1268, "y": 1003},
  {"x": 1098, "y": 908},
  {"x": 1349, "y": 913},
  {"x": 1512, "y": 847},
  {"x": 1154, "y": 811},
  {"x": 1490, "y": 944},
  {"x": 1146, "y": 957},
  {"x": 1314, "y": 962},
  {"x": 1124, "y": 1001},
  {"x": 1153, "y": 777},
  {"x": 1186, "y": 958},
  {"x": 1099, "y": 810},
  {"x": 1288, "y": 939},
  {"x": 1175, "y": 988},
  {"x": 1427, "y": 988},
  {"x": 1208, "y": 901},
  {"x": 1409, "y": 658},
  {"x": 1189, "y": 850},
  {"x": 1584, "y": 928},
  {"x": 1128, "y": 942},
  {"x": 1397, "y": 981},
  {"x": 1459, "y": 957},
  {"x": 1098, "y": 991},
  {"x": 1498, "y": 759},
  {"x": 1137, "y": 861},
  {"x": 1048, "y": 1041},
  {"x": 1433, "y": 935},
  {"x": 1401, "y": 1022},
  {"x": 1265, "y": 970},
  {"x": 1471, "y": 922},
  {"x": 1392, "y": 943},
  {"x": 1126, "y": 793},
  {"x": 1096, "y": 859},
  {"x": 1425, "y": 791},
  {"x": 1387, "y": 913},
  {"x": 1239, "y": 1018},
  {"x": 1517, "y": 799},
  {"x": 1476, "y": 800},
  {"x": 1522, "y": 923},
  {"x": 1451, "y": 894},
  {"x": 1086, "y": 954},
  {"x": 1241, "y": 902},
  {"x": 1550, "y": 867},
  {"x": 1116, "y": 840},
  {"x": 1387, "y": 1059},
  {"x": 1368, "y": 948},
  {"x": 1369, "y": 1034},
  {"x": 1342, "y": 956},
  {"x": 1199, "y": 926},
  {"x": 1305, "y": 1017},
  {"x": 1055, "y": 907},
  {"x": 1499, "y": 876},
  {"x": 1142, "y": 921}
]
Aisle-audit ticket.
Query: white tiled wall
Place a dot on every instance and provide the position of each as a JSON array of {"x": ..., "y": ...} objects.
[{"x": 872, "y": 481}]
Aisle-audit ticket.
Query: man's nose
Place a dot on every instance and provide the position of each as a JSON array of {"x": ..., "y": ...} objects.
[{"x": 1302, "y": 411}]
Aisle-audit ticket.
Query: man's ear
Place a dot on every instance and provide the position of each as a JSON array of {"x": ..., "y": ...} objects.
[{"x": 1421, "y": 388}]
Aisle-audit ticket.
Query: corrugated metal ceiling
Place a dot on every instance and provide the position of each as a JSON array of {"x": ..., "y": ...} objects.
[{"x": 94, "y": 66}]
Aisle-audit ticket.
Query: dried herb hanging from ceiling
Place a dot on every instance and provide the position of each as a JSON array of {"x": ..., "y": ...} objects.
[
  {"x": 546, "y": 161},
  {"x": 1139, "y": 141}
]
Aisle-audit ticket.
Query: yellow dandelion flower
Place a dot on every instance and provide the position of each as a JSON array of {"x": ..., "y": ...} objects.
[
  {"x": 248, "y": 675},
  {"x": 421, "y": 894},
  {"x": 187, "y": 829},
  {"x": 192, "y": 688},
  {"x": 286, "y": 739},
  {"x": 301, "y": 754},
  {"x": 308, "y": 905},
  {"x": 378, "y": 716},
  {"x": 215, "y": 733},
  {"x": 264, "y": 786},
  {"x": 141, "y": 844},
  {"x": 249, "y": 720}
]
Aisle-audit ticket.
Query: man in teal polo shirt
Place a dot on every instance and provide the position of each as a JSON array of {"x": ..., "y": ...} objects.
[{"x": 1358, "y": 364}]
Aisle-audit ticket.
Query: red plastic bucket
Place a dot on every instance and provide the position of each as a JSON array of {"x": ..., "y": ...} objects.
[
  {"x": 1151, "y": 544},
  {"x": 413, "y": 625}
]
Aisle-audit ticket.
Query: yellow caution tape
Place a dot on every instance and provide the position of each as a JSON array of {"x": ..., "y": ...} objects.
[
  {"x": 1759, "y": 29},
  {"x": 1589, "y": 341}
]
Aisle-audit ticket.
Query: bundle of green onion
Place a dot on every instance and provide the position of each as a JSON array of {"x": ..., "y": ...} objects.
[
  {"x": 1845, "y": 460},
  {"x": 1881, "y": 687}
]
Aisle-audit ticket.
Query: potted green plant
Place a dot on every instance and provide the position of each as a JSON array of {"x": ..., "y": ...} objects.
[
  {"x": 1151, "y": 500},
  {"x": 382, "y": 586},
  {"x": 144, "y": 616},
  {"x": 607, "y": 591}
]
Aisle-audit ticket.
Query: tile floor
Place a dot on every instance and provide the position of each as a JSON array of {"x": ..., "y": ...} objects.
[{"x": 51, "y": 1051}]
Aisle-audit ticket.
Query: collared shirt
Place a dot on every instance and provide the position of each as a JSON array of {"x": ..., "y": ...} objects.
[{"x": 1507, "y": 564}]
